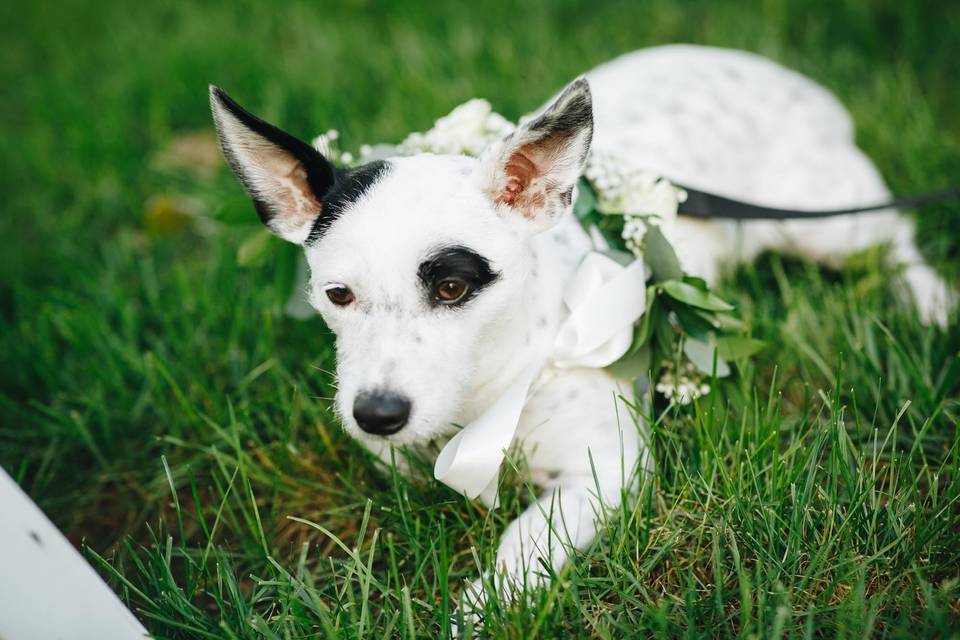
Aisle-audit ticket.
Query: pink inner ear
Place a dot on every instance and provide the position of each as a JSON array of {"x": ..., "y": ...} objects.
[
  {"x": 528, "y": 182},
  {"x": 520, "y": 171},
  {"x": 288, "y": 186}
]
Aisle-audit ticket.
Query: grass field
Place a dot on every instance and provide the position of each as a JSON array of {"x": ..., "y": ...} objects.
[{"x": 160, "y": 406}]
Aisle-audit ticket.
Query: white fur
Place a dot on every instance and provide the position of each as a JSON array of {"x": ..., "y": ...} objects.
[
  {"x": 723, "y": 121},
  {"x": 736, "y": 124}
]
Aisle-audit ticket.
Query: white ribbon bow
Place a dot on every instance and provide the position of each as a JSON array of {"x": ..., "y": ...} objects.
[{"x": 604, "y": 299}]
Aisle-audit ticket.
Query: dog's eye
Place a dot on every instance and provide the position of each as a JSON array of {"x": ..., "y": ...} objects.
[
  {"x": 450, "y": 290},
  {"x": 340, "y": 295}
]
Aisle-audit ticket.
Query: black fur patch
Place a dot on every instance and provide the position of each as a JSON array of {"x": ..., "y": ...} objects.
[
  {"x": 455, "y": 262},
  {"x": 320, "y": 172},
  {"x": 576, "y": 114},
  {"x": 348, "y": 187}
]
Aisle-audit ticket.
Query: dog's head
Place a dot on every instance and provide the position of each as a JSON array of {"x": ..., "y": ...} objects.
[{"x": 418, "y": 264}]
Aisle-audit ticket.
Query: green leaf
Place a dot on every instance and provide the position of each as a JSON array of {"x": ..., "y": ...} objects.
[
  {"x": 254, "y": 248},
  {"x": 651, "y": 315},
  {"x": 660, "y": 256},
  {"x": 664, "y": 335},
  {"x": 701, "y": 353},
  {"x": 692, "y": 323},
  {"x": 738, "y": 347},
  {"x": 586, "y": 200},
  {"x": 689, "y": 294},
  {"x": 632, "y": 366},
  {"x": 699, "y": 283},
  {"x": 610, "y": 226}
]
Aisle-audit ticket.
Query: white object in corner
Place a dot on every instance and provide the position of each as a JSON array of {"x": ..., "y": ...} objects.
[{"x": 47, "y": 590}]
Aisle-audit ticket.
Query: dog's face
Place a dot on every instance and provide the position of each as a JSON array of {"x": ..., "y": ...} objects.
[{"x": 417, "y": 264}]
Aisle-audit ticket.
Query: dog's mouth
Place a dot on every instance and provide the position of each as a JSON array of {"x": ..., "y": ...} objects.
[{"x": 415, "y": 433}]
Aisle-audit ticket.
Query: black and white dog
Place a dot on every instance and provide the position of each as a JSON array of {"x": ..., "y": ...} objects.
[{"x": 442, "y": 276}]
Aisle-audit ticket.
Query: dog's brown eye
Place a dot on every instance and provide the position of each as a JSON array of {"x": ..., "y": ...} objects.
[
  {"x": 450, "y": 290},
  {"x": 340, "y": 296}
]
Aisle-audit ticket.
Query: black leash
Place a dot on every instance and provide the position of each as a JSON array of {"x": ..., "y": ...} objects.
[{"x": 700, "y": 204}]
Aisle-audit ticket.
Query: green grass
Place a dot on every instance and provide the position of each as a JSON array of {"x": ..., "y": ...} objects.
[{"x": 158, "y": 403}]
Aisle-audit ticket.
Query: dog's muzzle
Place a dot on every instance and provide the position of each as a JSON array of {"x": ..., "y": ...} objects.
[{"x": 381, "y": 412}]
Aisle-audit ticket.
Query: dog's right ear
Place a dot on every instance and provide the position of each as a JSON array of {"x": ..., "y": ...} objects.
[
  {"x": 532, "y": 172},
  {"x": 286, "y": 177}
]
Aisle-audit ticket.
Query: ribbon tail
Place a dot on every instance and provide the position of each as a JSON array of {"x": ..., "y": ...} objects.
[{"x": 470, "y": 462}]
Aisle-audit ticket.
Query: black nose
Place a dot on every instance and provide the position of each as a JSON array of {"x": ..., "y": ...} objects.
[{"x": 381, "y": 412}]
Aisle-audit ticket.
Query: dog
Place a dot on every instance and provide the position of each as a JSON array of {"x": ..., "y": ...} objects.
[{"x": 442, "y": 276}]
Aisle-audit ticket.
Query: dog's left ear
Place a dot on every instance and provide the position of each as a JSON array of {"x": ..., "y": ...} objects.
[
  {"x": 285, "y": 176},
  {"x": 533, "y": 171}
]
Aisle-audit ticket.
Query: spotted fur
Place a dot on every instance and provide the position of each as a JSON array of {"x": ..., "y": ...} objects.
[{"x": 717, "y": 120}]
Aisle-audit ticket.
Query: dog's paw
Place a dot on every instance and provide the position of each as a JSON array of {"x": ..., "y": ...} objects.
[{"x": 935, "y": 299}]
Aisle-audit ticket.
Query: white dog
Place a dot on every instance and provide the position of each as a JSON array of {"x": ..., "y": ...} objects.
[{"x": 442, "y": 276}]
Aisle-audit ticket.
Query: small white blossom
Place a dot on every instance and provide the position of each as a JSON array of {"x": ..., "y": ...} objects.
[
  {"x": 634, "y": 230},
  {"x": 683, "y": 388},
  {"x": 468, "y": 129},
  {"x": 623, "y": 189},
  {"x": 325, "y": 143}
]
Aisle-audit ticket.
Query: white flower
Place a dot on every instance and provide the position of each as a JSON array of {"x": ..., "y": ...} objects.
[
  {"x": 659, "y": 201},
  {"x": 634, "y": 230},
  {"x": 683, "y": 388},
  {"x": 468, "y": 129},
  {"x": 625, "y": 190},
  {"x": 325, "y": 144}
]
